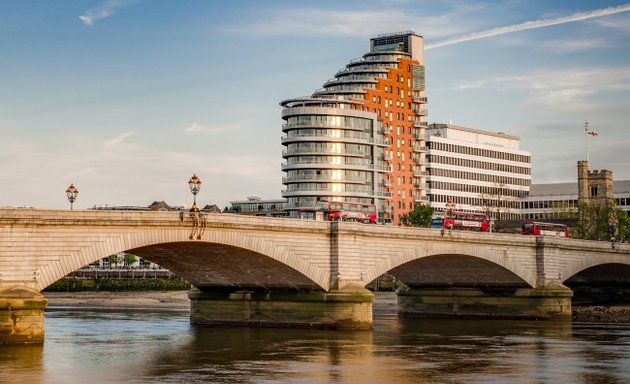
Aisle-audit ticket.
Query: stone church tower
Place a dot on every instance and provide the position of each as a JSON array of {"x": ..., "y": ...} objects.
[{"x": 594, "y": 187}]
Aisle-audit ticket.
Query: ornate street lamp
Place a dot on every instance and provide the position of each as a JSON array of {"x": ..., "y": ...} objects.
[
  {"x": 195, "y": 185},
  {"x": 72, "y": 193}
]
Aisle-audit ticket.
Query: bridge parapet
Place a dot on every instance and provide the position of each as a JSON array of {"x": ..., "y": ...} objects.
[{"x": 259, "y": 255}]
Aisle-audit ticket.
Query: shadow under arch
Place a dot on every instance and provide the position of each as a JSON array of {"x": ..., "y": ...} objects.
[
  {"x": 456, "y": 270},
  {"x": 236, "y": 286},
  {"x": 217, "y": 266},
  {"x": 601, "y": 284},
  {"x": 455, "y": 285}
]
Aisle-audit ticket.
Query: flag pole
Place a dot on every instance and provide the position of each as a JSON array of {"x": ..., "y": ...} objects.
[{"x": 586, "y": 138}]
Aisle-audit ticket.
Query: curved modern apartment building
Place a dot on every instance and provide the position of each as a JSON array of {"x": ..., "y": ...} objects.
[{"x": 360, "y": 138}]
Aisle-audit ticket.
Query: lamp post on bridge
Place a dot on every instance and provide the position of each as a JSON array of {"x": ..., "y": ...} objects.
[
  {"x": 195, "y": 185},
  {"x": 72, "y": 193}
]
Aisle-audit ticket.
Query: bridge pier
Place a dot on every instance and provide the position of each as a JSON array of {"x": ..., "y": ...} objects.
[
  {"x": 347, "y": 308},
  {"x": 21, "y": 315},
  {"x": 549, "y": 302}
]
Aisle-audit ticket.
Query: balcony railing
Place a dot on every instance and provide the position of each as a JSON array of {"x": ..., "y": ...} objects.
[
  {"x": 419, "y": 111},
  {"x": 419, "y": 148},
  {"x": 325, "y": 179},
  {"x": 419, "y": 99},
  {"x": 420, "y": 123},
  {"x": 327, "y": 191},
  {"x": 354, "y": 139},
  {"x": 418, "y": 173},
  {"x": 327, "y": 164},
  {"x": 420, "y": 198}
]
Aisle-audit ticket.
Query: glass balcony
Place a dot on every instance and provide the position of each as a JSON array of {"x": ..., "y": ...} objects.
[{"x": 420, "y": 123}]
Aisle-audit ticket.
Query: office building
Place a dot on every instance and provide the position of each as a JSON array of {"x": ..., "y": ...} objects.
[
  {"x": 360, "y": 139},
  {"x": 476, "y": 171}
]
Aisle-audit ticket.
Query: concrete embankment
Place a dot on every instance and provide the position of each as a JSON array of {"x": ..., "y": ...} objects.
[{"x": 384, "y": 302}]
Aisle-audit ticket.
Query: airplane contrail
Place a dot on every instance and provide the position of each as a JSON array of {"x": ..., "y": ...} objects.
[{"x": 532, "y": 25}]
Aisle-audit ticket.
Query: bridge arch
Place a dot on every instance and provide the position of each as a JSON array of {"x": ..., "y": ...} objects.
[
  {"x": 581, "y": 263},
  {"x": 499, "y": 259},
  {"x": 456, "y": 270},
  {"x": 84, "y": 250},
  {"x": 214, "y": 265}
]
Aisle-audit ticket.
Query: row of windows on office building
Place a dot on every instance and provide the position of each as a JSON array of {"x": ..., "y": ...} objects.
[
  {"x": 477, "y": 164},
  {"x": 473, "y": 201},
  {"x": 479, "y": 189},
  {"x": 622, "y": 202},
  {"x": 471, "y": 151},
  {"x": 470, "y": 176},
  {"x": 561, "y": 211}
]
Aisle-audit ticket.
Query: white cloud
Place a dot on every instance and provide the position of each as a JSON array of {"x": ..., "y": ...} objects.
[
  {"x": 198, "y": 129},
  {"x": 568, "y": 89},
  {"x": 541, "y": 23},
  {"x": 616, "y": 23},
  {"x": 313, "y": 22},
  {"x": 571, "y": 45},
  {"x": 108, "y": 8},
  {"x": 131, "y": 177},
  {"x": 117, "y": 139}
]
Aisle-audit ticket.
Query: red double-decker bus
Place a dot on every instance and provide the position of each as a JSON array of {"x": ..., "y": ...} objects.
[
  {"x": 467, "y": 221},
  {"x": 348, "y": 211},
  {"x": 537, "y": 228}
]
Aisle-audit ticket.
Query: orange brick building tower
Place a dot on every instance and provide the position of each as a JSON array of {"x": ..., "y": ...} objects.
[{"x": 359, "y": 139}]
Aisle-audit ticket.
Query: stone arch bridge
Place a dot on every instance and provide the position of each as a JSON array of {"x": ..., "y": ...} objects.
[{"x": 282, "y": 272}]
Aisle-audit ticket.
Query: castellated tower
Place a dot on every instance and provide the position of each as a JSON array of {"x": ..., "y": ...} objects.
[{"x": 594, "y": 187}]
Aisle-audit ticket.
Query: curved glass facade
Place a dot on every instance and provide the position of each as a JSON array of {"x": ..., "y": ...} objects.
[{"x": 339, "y": 142}]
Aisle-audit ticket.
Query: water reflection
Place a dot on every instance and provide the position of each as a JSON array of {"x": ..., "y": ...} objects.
[
  {"x": 21, "y": 361},
  {"x": 161, "y": 346}
]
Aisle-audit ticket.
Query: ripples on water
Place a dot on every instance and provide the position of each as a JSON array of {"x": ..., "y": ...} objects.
[{"x": 133, "y": 346}]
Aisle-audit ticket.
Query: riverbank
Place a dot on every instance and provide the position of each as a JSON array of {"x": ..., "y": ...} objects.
[
  {"x": 384, "y": 302},
  {"x": 103, "y": 299},
  {"x": 609, "y": 314}
]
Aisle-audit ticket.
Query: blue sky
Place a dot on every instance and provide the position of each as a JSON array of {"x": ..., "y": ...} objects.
[{"x": 128, "y": 98}]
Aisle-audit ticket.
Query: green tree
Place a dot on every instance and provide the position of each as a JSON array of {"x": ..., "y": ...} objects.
[
  {"x": 598, "y": 222},
  {"x": 420, "y": 216},
  {"x": 130, "y": 258},
  {"x": 112, "y": 259},
  {"x": 624, "y": 225}
]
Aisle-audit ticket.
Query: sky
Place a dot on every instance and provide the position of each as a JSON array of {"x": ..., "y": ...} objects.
[{"x": 126, "y": 99}]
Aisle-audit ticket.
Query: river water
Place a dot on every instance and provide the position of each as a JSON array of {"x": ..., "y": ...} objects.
[{"x": 160, "y": 346}]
